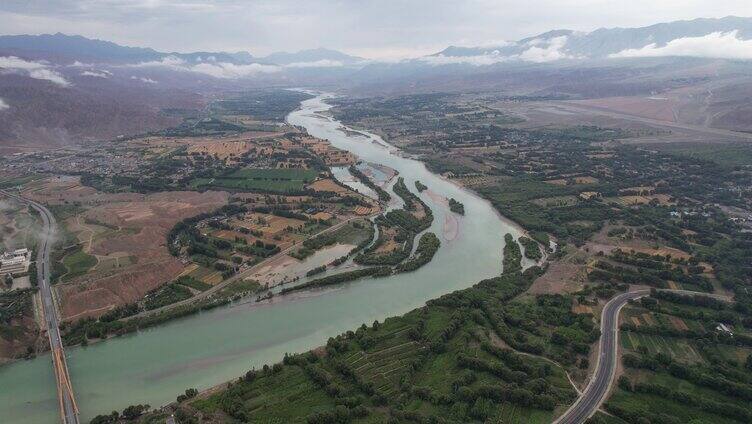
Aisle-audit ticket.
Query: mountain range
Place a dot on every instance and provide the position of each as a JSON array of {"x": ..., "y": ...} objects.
[
  {"x": 663, "y": 39},
  {"x": 609, "y": 42},
  {"x": 67, "y": 49},
  {"x": 58, "y": 88}
]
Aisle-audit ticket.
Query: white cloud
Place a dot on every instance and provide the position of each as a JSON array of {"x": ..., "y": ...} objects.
[
  {"x": 97, "y": 74},
  {"x": 479, "y": 60},
  {"x": 714, "y": 45},
  {"x": 49, "y": 75},
  {"x": 230, "y": 70},
  {"x": 78, "y": 64},
  {"x": 323, "y": 63},
  {"x": 215, "y": 69},
  {"x": 144, "y": 80},
  {"x": 551, "y": 52},
  {"x": 395, "y": 54},
  {"x": 13, "y": 62},
  {"x": 487, "y": 44},
  {"x": 3, "y": 105},
  {"x": 539, "y": 52},
  {"x": 167, "y": 61},
  {"x": 37, "y": 70}
]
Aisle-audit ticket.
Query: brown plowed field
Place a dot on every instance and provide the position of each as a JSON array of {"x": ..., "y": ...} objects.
[
  {"x": 94, "y": 298},
  {"x": 138, "y": 226},
  {"x": 328, "y": 184},
  {"x": 560, "y": 277},
  {"x": 678, "y": 323},
  {"x": 657, "y": 107}
]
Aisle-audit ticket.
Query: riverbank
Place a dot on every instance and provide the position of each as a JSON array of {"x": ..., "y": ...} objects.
[
  {"x": 371, "y": 370},
  {"x": 212, "y": 347}
]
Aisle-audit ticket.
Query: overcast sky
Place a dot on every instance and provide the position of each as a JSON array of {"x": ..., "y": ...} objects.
[{"x": 377, "y": 29}]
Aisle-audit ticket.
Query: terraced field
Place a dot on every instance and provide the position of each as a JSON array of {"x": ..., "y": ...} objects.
[
  {"x": 438, "y": 362},
  {"x": 387, "y": 365},
  {"x": 680, "y": 349}
]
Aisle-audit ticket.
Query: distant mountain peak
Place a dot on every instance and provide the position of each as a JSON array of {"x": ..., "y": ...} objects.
[
  {"x": 311, "y": 55},
  {"x": 615, "y": 42},
  {"x": 60, "y": 46}
]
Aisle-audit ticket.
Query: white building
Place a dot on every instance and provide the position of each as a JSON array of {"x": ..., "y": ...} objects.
[
  {"x": 725, "y": 328},
  {"x": 15, "y": 262}
]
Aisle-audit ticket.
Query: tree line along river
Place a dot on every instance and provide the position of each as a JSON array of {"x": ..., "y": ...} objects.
[{"x": 202, "y": 350}]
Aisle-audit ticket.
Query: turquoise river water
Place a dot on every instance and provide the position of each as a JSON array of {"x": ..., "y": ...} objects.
[{"x": 155, "y": 365}]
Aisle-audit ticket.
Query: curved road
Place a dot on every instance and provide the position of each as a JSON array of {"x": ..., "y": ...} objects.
[
  {"x": 600, "y": 383},
  {"x": 68, "y": 407}
]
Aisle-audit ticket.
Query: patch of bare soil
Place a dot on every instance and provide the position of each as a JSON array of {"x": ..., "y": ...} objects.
[
  {"x": 653, "y": 107},
  {"x": 327, "y": 184},
  {"x": 678, "y": 323},
  {"x": 560, "y": 277},
  {"x": 28, "y": 334},
  {"x": 66, "y": 190},
  {"x": 140, "y": 225},
  {"x": 497, "y": 341},
  {"x": 94, "y": 298},
  {"x": 390, "y": 244},
  {"x": 601, "y": 242},
  {"x": 582, "y": 309}
]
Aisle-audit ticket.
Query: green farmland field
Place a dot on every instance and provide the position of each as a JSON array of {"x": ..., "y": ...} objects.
[
  {"x": 78, "y": 263},
  {"x": 293, "y": 174},
  {"x": 268, "y": 180},
  {"x": 437, "y": 363},
  {"x": 680, "y": 349}
]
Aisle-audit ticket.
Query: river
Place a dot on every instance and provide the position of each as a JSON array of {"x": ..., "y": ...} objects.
[{"x": 155, "y": 365}]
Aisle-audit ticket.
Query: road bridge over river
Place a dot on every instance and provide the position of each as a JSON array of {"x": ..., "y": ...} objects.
[{"x": 66, "y": 399}]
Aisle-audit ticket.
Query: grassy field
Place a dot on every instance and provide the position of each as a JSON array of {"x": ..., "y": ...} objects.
[
  {"x": 110, "y": 264},
  {"x": 276, "y": 180},
  {"x": 166, "y": 295},
  {"x": 352, "y": 233},
  {"x": 296, "y": 174},
  {"x": 723, "y": 154},
  {"x": 239, "y": 287},
  {"x": 731, "y": 353},
  {"x": 680, "y": 349},
  {"x": 280, "y": 186},
  {"x": 13, "y": 182},
  {"x": 193, "y": 283},
  {"x": 601, "y": 418},
  {"x": 660, "y": 405},
  {"x": 685, "y": 386},
  {"x": 516, "y": 414},
  {"x": 281, "y": 397},
  {"x": 78, "y": 263}
]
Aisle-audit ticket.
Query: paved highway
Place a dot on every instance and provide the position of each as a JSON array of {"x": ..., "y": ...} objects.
[
  {"x": 68, "y": 407},
  {"x": 600, "y": 383}
]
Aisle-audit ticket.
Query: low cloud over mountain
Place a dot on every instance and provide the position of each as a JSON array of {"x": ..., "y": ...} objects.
[
  {"x": 714, "y": 45},
  {"x": 36, "y": 70},
  {"x": 726, "y": 38},
  {"x": 210, "y": 66},
  {"x": 40, "y": 76}
]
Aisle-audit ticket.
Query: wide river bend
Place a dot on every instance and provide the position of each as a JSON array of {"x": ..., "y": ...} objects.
[{"x": 155, "y": 365}]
